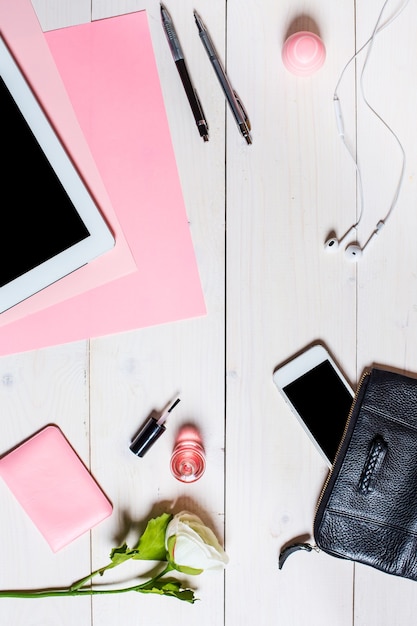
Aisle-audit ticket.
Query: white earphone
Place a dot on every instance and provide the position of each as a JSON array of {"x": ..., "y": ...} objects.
[
  {"x": 354, "y": 251},
  {"x": 332, "y": 243}
]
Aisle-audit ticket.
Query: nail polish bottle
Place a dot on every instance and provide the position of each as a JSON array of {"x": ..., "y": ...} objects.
[
  {"x": 188, "y": 460},
  {"x": 150, "y": 432}
]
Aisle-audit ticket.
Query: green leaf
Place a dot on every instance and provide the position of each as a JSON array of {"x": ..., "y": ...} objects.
[
  {"x": 121, "y": 554},
  {"x": 170, "y": 588},
  {"x": 151, "y": 545}
]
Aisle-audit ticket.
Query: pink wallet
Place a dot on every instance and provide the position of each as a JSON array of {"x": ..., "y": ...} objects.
[{"x": 54, "y": 487}]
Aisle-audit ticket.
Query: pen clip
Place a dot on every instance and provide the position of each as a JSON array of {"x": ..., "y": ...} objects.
[{"x": 242, "y": 108}]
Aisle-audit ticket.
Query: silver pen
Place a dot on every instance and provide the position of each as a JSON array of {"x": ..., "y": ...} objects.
[
  {"x": 179, "y": 60},
  {"x": 235, "y": 104}
]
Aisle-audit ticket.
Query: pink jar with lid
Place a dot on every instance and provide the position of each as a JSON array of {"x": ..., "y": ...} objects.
[{"x": 303, "y": 53}]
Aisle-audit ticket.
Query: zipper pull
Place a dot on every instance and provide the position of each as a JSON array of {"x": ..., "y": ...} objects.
[{"x": 294, "y": 547}]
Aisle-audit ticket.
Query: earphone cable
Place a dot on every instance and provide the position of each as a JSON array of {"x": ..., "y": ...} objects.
[{"x": 369, "y": 45}]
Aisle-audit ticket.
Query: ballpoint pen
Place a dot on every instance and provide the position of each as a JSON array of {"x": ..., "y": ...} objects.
[
  {"x": 179, "y": 60},
  {"x": 235, "y": 104}
]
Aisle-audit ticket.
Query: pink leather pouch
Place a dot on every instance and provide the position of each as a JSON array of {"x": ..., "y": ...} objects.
[{"x": 54, "y": 487}]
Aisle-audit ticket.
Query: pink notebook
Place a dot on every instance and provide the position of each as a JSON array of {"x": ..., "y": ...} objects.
[{"x": 54, "y": 487}]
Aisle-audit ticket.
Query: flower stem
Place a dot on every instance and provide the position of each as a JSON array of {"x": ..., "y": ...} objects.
[
  {"x": 72, "y": 591},
  {"x": 80, "y": 583}
]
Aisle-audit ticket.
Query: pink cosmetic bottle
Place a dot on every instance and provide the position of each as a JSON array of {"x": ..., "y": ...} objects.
[
  {"x": 188, "y": 460},
  {"x": 303, "y": 53}
]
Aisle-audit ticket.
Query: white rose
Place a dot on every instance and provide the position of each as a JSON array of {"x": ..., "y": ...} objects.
[{"x": 191, "y": 546}]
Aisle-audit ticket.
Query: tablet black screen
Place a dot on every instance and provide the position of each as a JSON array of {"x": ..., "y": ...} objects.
[{"x": 38, "y": 218}]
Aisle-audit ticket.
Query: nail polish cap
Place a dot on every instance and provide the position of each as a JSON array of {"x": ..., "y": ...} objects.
[{"x": 148, "y": 434}]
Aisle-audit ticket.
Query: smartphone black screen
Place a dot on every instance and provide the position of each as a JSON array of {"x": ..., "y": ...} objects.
[{"x": 323, "y": 402}]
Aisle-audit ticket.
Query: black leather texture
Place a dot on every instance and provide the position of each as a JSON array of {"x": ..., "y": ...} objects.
[{"x": 368, "y": 509}]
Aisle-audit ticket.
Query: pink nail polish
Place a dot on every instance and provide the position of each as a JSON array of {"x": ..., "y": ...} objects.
[{"x": 188, "y": 460}]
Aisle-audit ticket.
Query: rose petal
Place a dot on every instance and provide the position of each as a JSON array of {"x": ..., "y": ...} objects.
[{"x": 196, "y": 546}]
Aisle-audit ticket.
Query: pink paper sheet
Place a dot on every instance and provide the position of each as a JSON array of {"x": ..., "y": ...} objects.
[
  {"x": 20, "y": 28},
  {"x": 110, "y": 73}
]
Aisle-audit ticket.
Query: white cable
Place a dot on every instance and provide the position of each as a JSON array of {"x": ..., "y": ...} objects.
[
  {"x": 339, "y": 120},
  {"x": 376, "y": 31},
  {"x": 371, "y": 43}
]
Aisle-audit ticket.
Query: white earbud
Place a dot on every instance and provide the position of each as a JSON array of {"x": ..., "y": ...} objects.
[
  {"x": 353, "y": 252},
  {"x": 332, "y": 243}
]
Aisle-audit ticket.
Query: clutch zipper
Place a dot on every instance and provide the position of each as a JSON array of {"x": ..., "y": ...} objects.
[{"x": 345, "y": 431}]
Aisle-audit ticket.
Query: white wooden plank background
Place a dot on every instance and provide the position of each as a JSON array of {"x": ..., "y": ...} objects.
[{"x": 259, "y": 216}]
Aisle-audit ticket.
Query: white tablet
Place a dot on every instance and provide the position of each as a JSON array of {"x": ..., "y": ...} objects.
[{"x": 50, "y": 224}]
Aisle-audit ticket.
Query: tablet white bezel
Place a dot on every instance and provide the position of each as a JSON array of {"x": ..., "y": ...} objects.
[{"x": 100, "y": 239}]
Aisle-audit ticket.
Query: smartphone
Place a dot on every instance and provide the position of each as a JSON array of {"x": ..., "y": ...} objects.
[{"x": 319, "y": 396}]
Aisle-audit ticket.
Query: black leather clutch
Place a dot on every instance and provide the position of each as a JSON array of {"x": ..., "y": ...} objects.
[{"x": 367, "y": 511}]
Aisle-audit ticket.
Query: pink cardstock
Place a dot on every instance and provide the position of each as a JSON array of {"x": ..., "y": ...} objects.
[
  {"x": 54, "y": 487},
  {"x": 20, "y": 29},
  {"x": 109, "y": 70}
]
